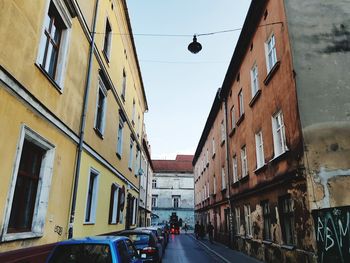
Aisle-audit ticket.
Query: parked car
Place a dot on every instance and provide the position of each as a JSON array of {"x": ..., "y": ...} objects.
[
  {"x": 165, "y": 232},
  {"x": 97, "y": 249},
  {"x": 146, "y": 243},
  {"x": 157, "y": 231}
]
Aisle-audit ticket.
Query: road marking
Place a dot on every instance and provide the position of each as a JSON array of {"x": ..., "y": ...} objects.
[{"x": 213, "y": 251}]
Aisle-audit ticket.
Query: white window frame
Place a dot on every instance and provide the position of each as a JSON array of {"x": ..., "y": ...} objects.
[
  {"x": 64, "y": 42},
  {"x": 154, "y": 183},
  {"x": 235, "y": 168},
  {"x": 259, "y": 147},
  {"x": 133, "y": 111},
  {"x": 134, "y": 210},
  {"x": 208, "y": 193},
  {"x": 207, "y": 157},
  {"x": 102, "y": 88},
  {"x": 155, "y": 199},
  {"x": 137, "y": 162},
  {"x": 223, "y": 179},
  {"x": 214, "y": 185},
  {"x": 115, "y": 207},
  {"x": 238, "y": 220},
  {"x": 94, "y": 196},
  {"x": 254, "y": 77},
  {"x": 43, "y": 189},
  {"x": 270, "y": 52},
  {"x": 244, "y": 161},
  {"x": 131, "y": 154},
  {"x": 241, "y": 103},
  {"x": 233, "y": 119},
  {"x": 223, "y": 132},
  {"x": 123, "y": 94},
  {"x": 120, "y": 137},
  {"x": 213, "y": 146},
  {"x": 278, "y": 132},
  {"x": 248, "y": 220},
  {"x": 109, "y": 40}
]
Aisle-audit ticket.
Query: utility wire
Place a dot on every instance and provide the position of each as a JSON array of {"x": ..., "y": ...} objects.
[{"x": 186, "y": 35}]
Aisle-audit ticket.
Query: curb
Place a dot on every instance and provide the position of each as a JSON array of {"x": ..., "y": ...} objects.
[{"x": 211, "y": 250}]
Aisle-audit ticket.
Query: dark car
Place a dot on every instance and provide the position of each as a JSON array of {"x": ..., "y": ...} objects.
[
  {"x": 146, "y": 243},
  {"x": 157, "y": 231},
  {"x": 99, "y": 249},
  {"x": 165, "y": 232}
]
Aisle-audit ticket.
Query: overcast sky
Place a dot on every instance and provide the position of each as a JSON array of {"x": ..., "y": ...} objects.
[{"x": 180, "y": 86}]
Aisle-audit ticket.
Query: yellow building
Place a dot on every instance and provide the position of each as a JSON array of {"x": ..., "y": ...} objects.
[{"x": 72, "y": 119}]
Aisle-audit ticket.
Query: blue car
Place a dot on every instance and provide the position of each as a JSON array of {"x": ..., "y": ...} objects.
[{"x": 97, "y": 249}]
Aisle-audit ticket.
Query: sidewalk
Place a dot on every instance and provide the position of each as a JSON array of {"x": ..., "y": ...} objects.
[{"x": 225, "y": 253}]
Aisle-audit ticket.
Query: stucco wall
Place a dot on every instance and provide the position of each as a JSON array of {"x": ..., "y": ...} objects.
[{"x": 320, "y": 40}]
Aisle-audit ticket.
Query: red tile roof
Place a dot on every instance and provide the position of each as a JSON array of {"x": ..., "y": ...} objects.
[{"x": 182, "y": 163}]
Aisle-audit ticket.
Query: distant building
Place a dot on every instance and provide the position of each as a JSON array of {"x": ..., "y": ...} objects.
[
  {"x": 276, "y": 181},
  {"x": 173, "y": 189}
]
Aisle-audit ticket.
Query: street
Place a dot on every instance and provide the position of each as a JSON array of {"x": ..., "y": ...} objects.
[{"x": 185, "y": 248}]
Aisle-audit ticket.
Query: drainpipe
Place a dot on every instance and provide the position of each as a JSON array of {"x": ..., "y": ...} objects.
[
  {"x": 228, "y": 169},
  {"x": 83, "y": 124},
  {"x": 147, "y": 166}
]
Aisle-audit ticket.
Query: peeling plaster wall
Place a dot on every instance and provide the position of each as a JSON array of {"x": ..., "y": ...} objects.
[{"x": 320, "y": 41}]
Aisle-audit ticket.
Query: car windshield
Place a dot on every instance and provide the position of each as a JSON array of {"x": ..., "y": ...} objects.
[
  {"x": 139, "y": 238},
  {"x": 81, "y": 253}
]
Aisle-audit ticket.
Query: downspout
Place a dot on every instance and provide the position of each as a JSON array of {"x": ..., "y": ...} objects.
[
  {"x": 83, "y": 124},
  {"x": 147, "y": 167},
  {"x": 228, "y": 170}
]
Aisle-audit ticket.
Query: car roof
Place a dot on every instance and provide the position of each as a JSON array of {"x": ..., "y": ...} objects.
[
  {"x": 136, "y": 231},
  {"x": 93, "y": 240}
]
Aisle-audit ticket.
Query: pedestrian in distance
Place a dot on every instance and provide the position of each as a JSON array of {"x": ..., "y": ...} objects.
[
  {"x": 197, "y": 229},
  {"x": 210, "y": 230},
  {"x": 201, "y": 231}
]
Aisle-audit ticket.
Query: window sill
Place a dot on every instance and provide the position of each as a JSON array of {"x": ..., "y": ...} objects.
[
  {"x": 98, "y": 132},
  {"x": 213, "y": 156},
  {"x": 288, "y": 247},
  {"x": 18, "y": 236},
  {"x": 232, "y": 132},
  {"x": 52, "y": 81},
  {"x": 279, "y": 157},
  {"x": 267, "y": 242},
  {"x": 240, "y": 119},
  {"x": 255, "y": 98},
  {"x": 207, "y": 164},
  {"x": 88, "y": 223},
  {"x": 223, "y": 190},
  {"x": 235, "y": 184},
  {"x": 272, "y": 73},
  {"x": 130, "y": 169},
  {"x": 222, "y": 143},
  {"x": 123, "y": 97},
  {"x": 118, "y": 155},
  {"x": 260, "y": 169},
  {"x": 244, "y": 179}
]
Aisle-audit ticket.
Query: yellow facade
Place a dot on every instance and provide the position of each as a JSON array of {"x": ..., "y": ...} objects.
[{"x": 47, "y": 111}]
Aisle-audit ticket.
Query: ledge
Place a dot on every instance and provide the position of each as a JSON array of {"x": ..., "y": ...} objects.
[
  {"x": 213, "y": 156},
  {"x": 255, "y": 98},
  {"x": 240, "y": 120},
  {"x": 235, "y": 184},
  {"x": 98, "y": 132},
  {"x": 222, "y": 143},
  {"x": 272, "y": 73},
  {"x": 244, "y": 179},
  {"x": 118, "y": 155},
  {"x": 260, "y": 169},
  {"x": 279, "y": 157},
  {"x": 106, "y": 56},
  {"x": 288, "y": 247},
  {"x": 232, "y": 132}
]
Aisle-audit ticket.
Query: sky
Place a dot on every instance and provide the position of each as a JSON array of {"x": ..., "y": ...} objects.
[{"x": 180, "y": 86}]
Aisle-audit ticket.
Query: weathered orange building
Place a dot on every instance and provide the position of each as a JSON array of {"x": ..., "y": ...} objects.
[{"x": 284, "y": 114}]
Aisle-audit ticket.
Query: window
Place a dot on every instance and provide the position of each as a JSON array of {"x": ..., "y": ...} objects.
[
  {"x": 137, "y": 162},
  {"x": 134, "y": 210},
  {"x": 124, "y": 85},
  {"x": 138, "y": 125},
  {"x": 238, "y": 220},
  {"x": 131, "y": 154},
  {"x": 286, "y": 206},
  {"x": 114, "y": 205},
  {"x": 214, "y": 183},
  {"x": 235, "y": 170},
  {"x": 133, "y": 112},
  {"x": 107, "y": 40},
  {"x": 208, "y": 190},
  {"x": 120, "y": 136},
  {"x": 207, "y": 157},
  {"x": 267, "y": 221},
  {"x": 30, "y": 187},
  {"x": 154, "y": 200},
  {"x": 154, "y": 183},
  {"x": 123, "y": 252},
  {"x": 233, "y": 120},
  {"x": 278, "y": 132},
  {"x": 213, "y": 146},
  {"x": 248, "y": 220},
  {"x": 223, "y": 179},
  {"x": 241, "y": 103},
  {"x": 53, "y": 46},
  {"x": 260, "y": 159},
  {"x": 271, "y": 58},
  {"x": 223, "y": 132},
  {"x": 176, "y": 201},
  {"x": 101, "y": 105},
  {"x": 91, "y": 201},
  {"x": 244, "y": 161},
  {"x": 254, "y": 79}
]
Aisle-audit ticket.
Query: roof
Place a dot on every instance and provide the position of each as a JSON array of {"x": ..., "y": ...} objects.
[
  {"x": 92, "y": 239},
  {"x": 182, "y": 163}
]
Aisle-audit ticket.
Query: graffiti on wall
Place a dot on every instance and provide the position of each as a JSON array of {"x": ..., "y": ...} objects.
[{"x": 332, "y": 229}]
